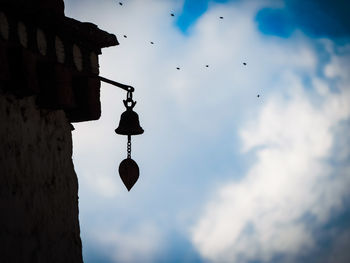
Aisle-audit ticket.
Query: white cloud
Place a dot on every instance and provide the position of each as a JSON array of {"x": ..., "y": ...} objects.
[
  {"x": 101, "y": 184},
  {"x": 261, "y": 215},
  {"x": 135, "y": 246},
  {"x": 338, "y": 64}
]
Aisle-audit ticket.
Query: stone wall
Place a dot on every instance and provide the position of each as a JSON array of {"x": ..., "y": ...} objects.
[
  {"x": 38, "y": 185},
  {"x": 49, "y": 63}
]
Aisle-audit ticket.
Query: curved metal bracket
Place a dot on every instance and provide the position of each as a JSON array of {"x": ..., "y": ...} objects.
[{"x": 117, "y": 84}]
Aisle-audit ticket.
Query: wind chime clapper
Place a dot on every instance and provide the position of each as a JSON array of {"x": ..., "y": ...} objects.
[{"x": 128, "y": 125}]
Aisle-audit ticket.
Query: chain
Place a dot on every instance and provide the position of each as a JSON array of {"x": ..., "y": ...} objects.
[{"x": 129, "y": 146}]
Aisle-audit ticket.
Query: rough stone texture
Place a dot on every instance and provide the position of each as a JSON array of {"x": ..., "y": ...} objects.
[{"x": 38, "y": 185}]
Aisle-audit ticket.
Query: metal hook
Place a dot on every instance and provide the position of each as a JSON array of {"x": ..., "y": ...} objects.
[{"x": 129, "y": 100}]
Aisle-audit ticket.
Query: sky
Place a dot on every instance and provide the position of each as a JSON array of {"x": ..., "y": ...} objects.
[{"x": 238, "y": 163}]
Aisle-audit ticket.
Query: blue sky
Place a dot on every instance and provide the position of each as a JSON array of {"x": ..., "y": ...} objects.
[{"x": 225, "y": 176}]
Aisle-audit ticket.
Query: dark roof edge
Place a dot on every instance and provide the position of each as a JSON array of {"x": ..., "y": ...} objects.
[
  {"x": 52, "y": 12},
  {"x": 90, "y": 32}
]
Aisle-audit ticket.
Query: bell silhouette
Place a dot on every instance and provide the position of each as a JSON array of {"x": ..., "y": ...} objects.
[{"x": 129, "y": 123}]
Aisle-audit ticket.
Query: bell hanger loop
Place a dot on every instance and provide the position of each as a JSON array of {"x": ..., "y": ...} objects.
[
  {"x": 128, "y": 88},
  {"x": 129, "y": 100}
]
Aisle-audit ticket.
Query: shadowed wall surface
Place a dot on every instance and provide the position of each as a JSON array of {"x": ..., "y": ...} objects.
[
  {"x": 38, "y": 185},
  {"x": 48, "y": 79}
]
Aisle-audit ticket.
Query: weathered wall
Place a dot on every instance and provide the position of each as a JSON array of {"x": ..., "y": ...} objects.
[{"x": 38, "y": 185}]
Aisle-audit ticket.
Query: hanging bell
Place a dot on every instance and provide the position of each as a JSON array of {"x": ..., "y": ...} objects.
[{"x": 129, "y": 123}]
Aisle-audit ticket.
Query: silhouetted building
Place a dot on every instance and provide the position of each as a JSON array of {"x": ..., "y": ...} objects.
[{"x": 48, "y": 64}]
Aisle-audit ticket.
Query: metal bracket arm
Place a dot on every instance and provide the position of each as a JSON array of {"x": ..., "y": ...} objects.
[{"x": 117, "y": 84}]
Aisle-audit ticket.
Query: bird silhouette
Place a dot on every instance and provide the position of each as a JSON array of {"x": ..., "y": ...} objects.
[{"x": 178, "y": 68}]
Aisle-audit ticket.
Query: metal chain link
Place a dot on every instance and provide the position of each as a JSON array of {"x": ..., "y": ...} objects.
[{"x": 129, "y": 146}]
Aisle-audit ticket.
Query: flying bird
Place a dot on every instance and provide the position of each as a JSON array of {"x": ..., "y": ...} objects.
[
  {"x": 245, "y": 64},
  {"x": 125, "y": 36},
  {"x": 258, "y": 95},
  {"x": 207, "y": 66},
  {"x": 178, "y": 68},
  {"x": 172, "y": 14},
  {"x": 221, "y": 17},
  {"x": 152, "y": 43},
  {"x": 120, "y": 3}
]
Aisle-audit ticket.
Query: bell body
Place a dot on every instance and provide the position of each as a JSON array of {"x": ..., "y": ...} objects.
[{"x": 129, "y": 123}]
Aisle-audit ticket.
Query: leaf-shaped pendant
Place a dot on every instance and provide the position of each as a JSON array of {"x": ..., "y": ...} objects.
[{"x": 129, "y": 172}]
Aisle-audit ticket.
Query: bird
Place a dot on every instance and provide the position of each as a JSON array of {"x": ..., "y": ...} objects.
[
  {"x": 258, "y": 95},
  {"x": 207, "y": 66},
  {"x": 178, "y": 68},
  {"x": 152, "y": 43},
  {"x": 120, "y": 3},
  {"x": 221, "y": 17},
  {"x": 125, "y": 36},
  {"x": 245, "y": 64},
  {"x": 172, "y": 14}
]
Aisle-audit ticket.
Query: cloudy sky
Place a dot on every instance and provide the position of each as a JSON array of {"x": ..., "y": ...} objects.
[{"x": 225, "y": 175}]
